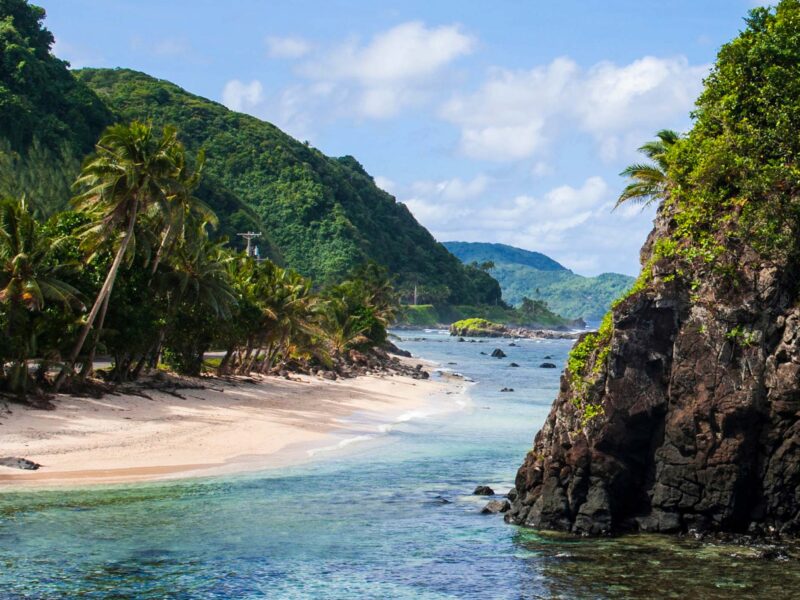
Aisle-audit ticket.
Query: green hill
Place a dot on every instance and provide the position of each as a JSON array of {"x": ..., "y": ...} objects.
[
  {"x": 320, "y": 215},
  {"x": 523, "y": 273}
]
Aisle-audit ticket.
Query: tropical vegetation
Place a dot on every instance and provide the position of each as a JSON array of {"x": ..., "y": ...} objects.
[
  {"x": 132, "y": 271},
  {"x": 648, "y": 180},
  {"x": 320, "y": 216}
]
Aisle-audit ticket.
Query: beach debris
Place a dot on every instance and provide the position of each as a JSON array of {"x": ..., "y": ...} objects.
[
  {"x": 498, "y": 353},
  {"x": 547, "y": 365},
  {"x": 483, "y": 490},
  {"x": 496, "y": 506},
  {"x": 19, "y": 463}
]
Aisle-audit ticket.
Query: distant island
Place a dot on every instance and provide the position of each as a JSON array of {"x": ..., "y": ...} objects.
[{"x": 525, "y": 274}]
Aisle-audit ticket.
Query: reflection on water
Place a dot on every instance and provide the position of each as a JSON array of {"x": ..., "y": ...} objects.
[{"x": 390, "y": 518}]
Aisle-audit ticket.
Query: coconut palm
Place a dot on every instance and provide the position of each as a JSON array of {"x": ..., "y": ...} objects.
[
  {"x": 132, "y": 171},
  {"x": 649, "y": 180},
  {"x": 183, "y": 209},
  {"x": 29, "y": 278}
]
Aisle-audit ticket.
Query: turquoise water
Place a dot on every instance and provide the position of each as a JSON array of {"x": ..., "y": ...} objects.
[{"x": 391, "y": 518}]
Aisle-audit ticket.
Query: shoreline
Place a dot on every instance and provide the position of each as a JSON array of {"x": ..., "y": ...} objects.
[{"x": 239, "y": 426}]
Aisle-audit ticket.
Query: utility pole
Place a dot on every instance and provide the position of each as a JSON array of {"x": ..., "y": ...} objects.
[
  {"x": 249, "y": 236},
  {"x": 415, "y": 294}
]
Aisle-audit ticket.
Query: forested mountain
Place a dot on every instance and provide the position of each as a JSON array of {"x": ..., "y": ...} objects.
[
  {"x": 48, "y": 120},
  {"x": 322, "y": 216},
  {"x": 522, "y": 273},
  {"x": 326, "y": 215}
]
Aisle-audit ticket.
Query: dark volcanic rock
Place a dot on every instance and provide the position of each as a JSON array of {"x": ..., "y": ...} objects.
[
  {"x": 496, "y": 506},
  {"x": 513, "y": 364},
  {"x": 695, "y": 421},
  {"x": 547, "y": 365},
  {"x": 19, "y": 463},
  {"x": 483, "y": 490},
  {"x": 498, "y": 353},
  {"x": 507, "y": 389}
]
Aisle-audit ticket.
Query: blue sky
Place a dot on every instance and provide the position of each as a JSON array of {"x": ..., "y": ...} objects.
[{"x": 504, "y": 121}]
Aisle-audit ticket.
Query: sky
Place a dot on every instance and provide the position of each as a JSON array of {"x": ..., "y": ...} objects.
[{"x": 506, "y": 121}]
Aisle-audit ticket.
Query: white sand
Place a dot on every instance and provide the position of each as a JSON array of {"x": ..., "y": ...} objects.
[{"x": 228, "y": 427}]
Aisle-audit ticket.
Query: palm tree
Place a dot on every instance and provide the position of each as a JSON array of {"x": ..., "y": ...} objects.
[
  {"x": 29, "y": 277},
  {"x": 132, "y": 171},
  {"x": 183, "y": 209},
  {"x": 344, "y": 329},
  {"x": 649, "y": 180}
]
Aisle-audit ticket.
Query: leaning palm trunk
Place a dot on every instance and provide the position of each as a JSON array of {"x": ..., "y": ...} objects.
[
  {"x": 88, "y": 365},
  {"x": 105, "y": 292}
]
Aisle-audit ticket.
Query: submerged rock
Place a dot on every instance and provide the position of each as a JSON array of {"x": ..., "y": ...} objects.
[
  {"x": 507, "y": 389},
  {"x": 483, "y": 490},
  {"x": 498, "y": 353},
  {"x": 513, "y": 364},
  {"x": 547, "y": 365}
]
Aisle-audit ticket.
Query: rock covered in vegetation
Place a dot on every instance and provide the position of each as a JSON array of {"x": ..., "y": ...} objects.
[
  {"x": 484, "y": 328},
  {"x": 683, "y": 411}
]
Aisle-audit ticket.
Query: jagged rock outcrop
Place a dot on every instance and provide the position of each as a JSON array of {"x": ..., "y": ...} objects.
[
  {"x": 683, "y": 411},
  {"x": 698, "y": 426}
]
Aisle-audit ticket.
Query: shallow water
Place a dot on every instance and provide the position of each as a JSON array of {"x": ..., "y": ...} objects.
[{"x": 390, "y": 517}]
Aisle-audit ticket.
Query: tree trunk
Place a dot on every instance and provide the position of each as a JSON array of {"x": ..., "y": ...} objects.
[
  {"x": 88, "y": 366},
  {"x": 225, "y": 360},
  {"x": 105, "y": 291},
  {"x": 160, "y": 251}
]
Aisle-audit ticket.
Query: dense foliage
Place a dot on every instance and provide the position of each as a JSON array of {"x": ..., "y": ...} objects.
[
  {"x": 736, "y": 176},
  {"x": 48, "y": 120},
  {"x": 523, "y": 274},
  {"x": 326, "y": 215},
  {"x": 132, "y": 272}
]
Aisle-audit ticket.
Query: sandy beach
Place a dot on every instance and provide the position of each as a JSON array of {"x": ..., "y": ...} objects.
[{"x": 227, "y": 427}]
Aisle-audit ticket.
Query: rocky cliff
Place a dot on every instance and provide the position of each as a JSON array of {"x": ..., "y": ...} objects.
[
  {"x": 683, "y": 411},
  {"x": 697, "y": 426}
]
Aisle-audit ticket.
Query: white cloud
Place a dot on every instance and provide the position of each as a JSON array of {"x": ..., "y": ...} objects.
[
  {"x": 287, "y": 47},
  {"x": 242, "y": 96},
  {"x": 573, "y": 224},
  {"x": 403, "y": 53},
  {"x": 393, "y": 70},
  {"x": 396, "y": 69},
  {"x": 452, "y": 189},
  {"x": 516, "y": 114},
  {"x": 506, "y": 118},
  {"x": 386, "y": 184}
]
